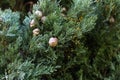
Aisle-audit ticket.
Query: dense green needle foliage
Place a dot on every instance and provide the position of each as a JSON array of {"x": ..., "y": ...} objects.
[{"x": 88, "y": 48}]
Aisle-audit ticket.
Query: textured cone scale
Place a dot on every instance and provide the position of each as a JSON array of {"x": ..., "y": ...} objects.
[
  {"x": 111, "y": 20},
  {"x": 63, "y": 9},
  {"x": 36, "y": 31},
  {"x": 53, "y": 42},
  {"x": 63, "y": 15},
  {"x": 38, "y": 13},
  {"x": 32, "y": 23},
  {"x": 43, "y": 19}
]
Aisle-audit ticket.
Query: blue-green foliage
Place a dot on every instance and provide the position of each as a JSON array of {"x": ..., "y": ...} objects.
[
  {"x": 9, "y": 40},
  {"x": 88, "y": 42}
]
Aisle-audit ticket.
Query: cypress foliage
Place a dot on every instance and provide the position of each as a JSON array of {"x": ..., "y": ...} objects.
[{"x": 61, "y": 40}]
